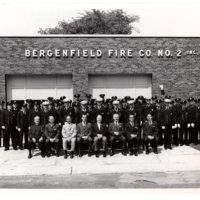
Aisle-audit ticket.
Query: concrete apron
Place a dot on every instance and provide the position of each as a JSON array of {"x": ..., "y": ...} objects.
[{"x": 183, "y": 158}]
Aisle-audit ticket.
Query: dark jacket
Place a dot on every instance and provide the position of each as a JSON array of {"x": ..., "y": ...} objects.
[
  {"x": 129, "y": 129},
  {"x": 36, "y": 131},
  {"x": 102, "y": 131},
  {"x": 113, "y": 128},
  {"x": 84, "y": 130},
  {"x": 52, "y": 131},
  {"x": 22, "y": 120},
  {"x": 150, "y": 130}
]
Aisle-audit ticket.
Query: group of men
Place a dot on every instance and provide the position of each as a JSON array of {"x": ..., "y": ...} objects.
[{"x": 94, "y": 124}]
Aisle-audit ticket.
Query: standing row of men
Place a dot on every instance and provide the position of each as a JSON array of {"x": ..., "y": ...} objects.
[{"x": 177, "y": 121}]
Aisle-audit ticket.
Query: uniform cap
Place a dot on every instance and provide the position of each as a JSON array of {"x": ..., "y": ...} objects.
[
  {"x": 115, "y": 102},
  {"x": 67, "y": 100},
  {"x": 45, "y": 103},
  {"x": 84, "y": 102},
  {"x": 130, "y": 102}
]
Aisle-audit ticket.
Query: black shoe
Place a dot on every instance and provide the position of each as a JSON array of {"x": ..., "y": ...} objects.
[
  {"x": 89, "y": 154},
  {"x": 29, "y": 156},
  {"x": 71, "y": 155},
  {"x": 21, "y": 148},
  {"x": 124, "y": 153},
  {"x": 170, "y": 147},
  {"x": 112, "y": 153},
  {"x": 15, "y": 148},
  {"x": 131, "y": 153},
  {"x": 6, "y": 149},
  {"x": 104, "y": 154},
  {"x": 42, "y": 155},
  {"x": 155, "y": 151},
  {"x": 48, "y": 155},
  {"x": 136, "y": 153},
  {"x": 57, "y": 154},
  {"x": 65, "y": 156},
  {"x": 97, "y": 154},
  {"x": 147, "y": 152},
  {"x": 80, "y": 154}
]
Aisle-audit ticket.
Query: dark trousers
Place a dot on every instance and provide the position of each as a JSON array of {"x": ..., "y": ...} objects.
[
  {"x": 80, "y": 140},
  {"x": 176, "y": 133},
  {"x": 23, "y": 134},
  {"x": 96, "y": 143},
  {"x": 1, "y": 136},
  {"x": 167, "y": 137},
  {"x": 32, "y": 145},
  {"x": 133, "y": 143},
  {"x": 120, "y": 138},
  {"x": 10, "y": 133},
  {"x": 49, "y": 145},
  {"x": 193, "y": 135},
  {"x": 153, "y": 143}
]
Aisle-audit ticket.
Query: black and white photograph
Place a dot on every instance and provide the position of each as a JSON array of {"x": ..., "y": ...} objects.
[{"x": 99, "y": 95}]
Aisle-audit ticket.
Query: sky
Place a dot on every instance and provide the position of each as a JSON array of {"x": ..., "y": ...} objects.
[{"x": 157, "y": 18}]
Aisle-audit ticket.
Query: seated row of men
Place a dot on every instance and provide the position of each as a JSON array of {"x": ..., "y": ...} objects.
[{"x": 73, "y": 136}]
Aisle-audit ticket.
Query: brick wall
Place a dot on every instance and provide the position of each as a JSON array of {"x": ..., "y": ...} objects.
[{"x": 180, "y": 76}]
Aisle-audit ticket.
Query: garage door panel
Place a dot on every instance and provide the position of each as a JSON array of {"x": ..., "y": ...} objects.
[
  {"x": 17, "y": 94},
  {"x": 120, "y": 85},
  {"x": 38, "y": 87}
]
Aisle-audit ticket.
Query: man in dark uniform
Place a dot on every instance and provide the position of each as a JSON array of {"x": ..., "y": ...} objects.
[
  {"x": 84, "y": 133},
  {"x": 183, "y": 139},
  {"x": 157, "y": 118},
  {"x": 67, "y": 110},
  {"x": 53, "y": 136},
  {"x": 132, "y": 134},
  {"x": 99, "y": 133},
  {"x": 22, "y": 125},
  {"x": 116, "y": 133},
  {"x": 130, "y": 111},
  {"x": 1, "y": 118},
  {"x": 99, "y": 110},
  {"x": 44, "y": 113},
  {"x": 192, "y": 116},
  {"x": 34, "y": 112},
  {"x": 166, "y": 123},
  {"x": 116, "y": 110},
  {"x": 84, "y": 110},
  {"x": 36, "y": 136},
  {"x": 176, "y": 120},
  {"x": 150, "y": 131},
  {"x": 77, "y": 114},
  {"x": 15, "y": 112},
  {"x": 9, "y": 127}
]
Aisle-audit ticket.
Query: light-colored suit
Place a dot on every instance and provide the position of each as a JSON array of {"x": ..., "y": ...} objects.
[
  {"x": 69, "y": 135},
  {"x": 69, "y": 130}
]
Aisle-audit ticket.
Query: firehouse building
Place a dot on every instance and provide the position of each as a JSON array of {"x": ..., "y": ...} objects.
[{"x": 39, "y": 67}]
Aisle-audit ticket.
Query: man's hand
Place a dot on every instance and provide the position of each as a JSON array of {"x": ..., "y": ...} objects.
[
  {"x": 41, "y": 139},
  {"x": 3, "y": 127},
  {"x": 99, "y": 136},
  {"x": 19, "y": 129},
  {"x": 116, "y": 133},
  {"x": 163, "y": 127},
  {"x": 34, "y": 140},
  {"x": 151, "y": 137},
  {"x": 85, "y": 137},
  {"x": 52, "y": 139},
  {"x": 133, "y": 135},
  {"x": 192, "y": 125},
  {"x": 188, "y": 125}
]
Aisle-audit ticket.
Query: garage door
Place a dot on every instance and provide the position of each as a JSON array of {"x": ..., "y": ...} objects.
[
  {"x": 38, "y": 87},
  {"x": 120, "y": 85}
]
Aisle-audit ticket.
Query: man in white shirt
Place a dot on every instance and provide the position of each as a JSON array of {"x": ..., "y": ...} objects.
[{"x": 69, "y": 137}]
